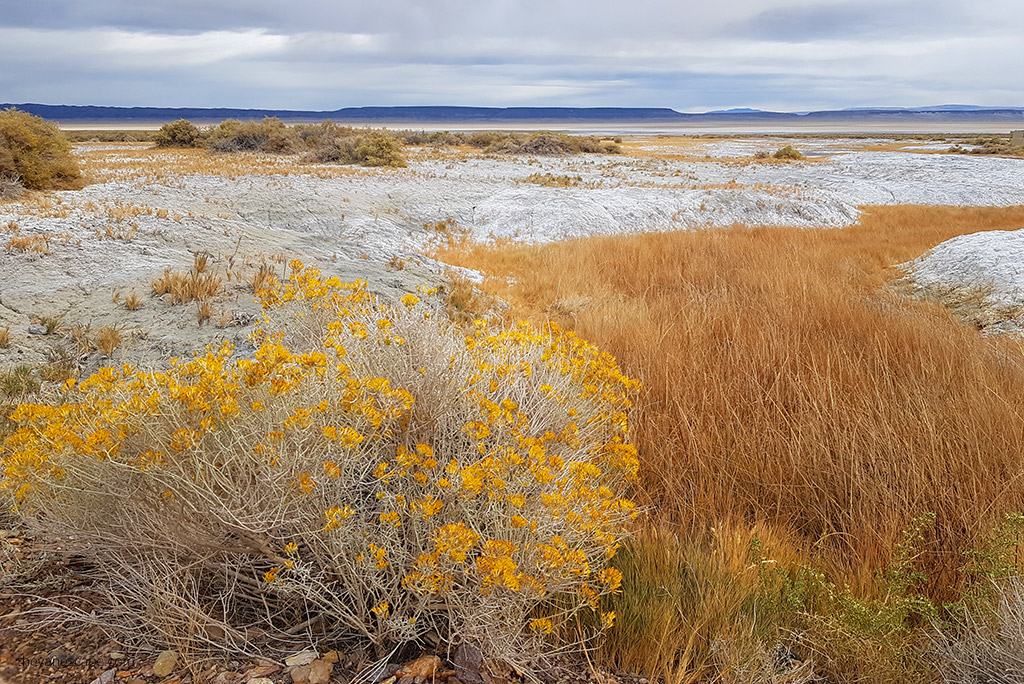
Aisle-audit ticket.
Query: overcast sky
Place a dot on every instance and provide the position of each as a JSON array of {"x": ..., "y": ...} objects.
[{"x": 789, "y": 55}]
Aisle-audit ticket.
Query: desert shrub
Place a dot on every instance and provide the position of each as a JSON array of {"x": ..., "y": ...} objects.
[
  {"x": 371, "y": 469},
  {"x": 343, "y": 145},
  {"x": 788, "y": 153},
  {"x": 180, "y": 133},
  {"x": 989, "y": 145},
  {"x": 110, "y": 135},
  {"x": 269, "y": 135},
  {"x": 548, "y": 144},
  {"x": 34, "y": 153},
  {"x": 484, "y": 139},
  {"x": 380, "y": 148}
]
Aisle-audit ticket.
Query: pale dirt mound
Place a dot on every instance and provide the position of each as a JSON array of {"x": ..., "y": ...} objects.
[{"x": 981, "y": 276}]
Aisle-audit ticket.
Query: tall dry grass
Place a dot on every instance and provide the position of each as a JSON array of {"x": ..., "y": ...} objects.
[{"x": 786, "y": 380}]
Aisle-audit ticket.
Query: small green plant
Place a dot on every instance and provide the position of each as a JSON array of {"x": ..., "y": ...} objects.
[
  {"x": 871, "y": 637},
  {"x": 998, "y": 555}
]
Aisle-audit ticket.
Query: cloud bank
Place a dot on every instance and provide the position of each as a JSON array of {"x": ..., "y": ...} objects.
[{"x": 323, "y": 54}]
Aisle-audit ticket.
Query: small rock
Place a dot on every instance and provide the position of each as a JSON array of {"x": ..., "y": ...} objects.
[
  {"x": 299, "y": 659},
  {"x": 319, "y": 672},
  {"x": 260, "y": 672},
  {"x": 165, "y": 663},
  {"x": 468, "y": 660},
  {"x": 424, "y": 666},
  {"x": 38, "y": 329},
  {"x": 298, "y": 674},
  {"x": 331, "y": 657},
  {"x": 260, "y": 680},
  {"x": 105, "y": 678},
  {"x": 407, "y": 680},
  {"x": 115, "y": 655}
]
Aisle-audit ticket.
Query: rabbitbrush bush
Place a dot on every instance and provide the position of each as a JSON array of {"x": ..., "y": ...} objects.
[
  {"x": 34, "y": 153},
  {"x": 370, "y": 472}
]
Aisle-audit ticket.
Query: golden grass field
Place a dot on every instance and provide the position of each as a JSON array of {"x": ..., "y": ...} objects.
[{"x": 791, "y": 386}]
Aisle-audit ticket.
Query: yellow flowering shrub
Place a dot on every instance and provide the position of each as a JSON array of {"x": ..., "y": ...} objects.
[{"x": 369, "y": 469}]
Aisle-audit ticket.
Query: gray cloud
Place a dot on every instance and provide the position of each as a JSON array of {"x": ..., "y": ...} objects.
[{"x": 781, "y": 54}]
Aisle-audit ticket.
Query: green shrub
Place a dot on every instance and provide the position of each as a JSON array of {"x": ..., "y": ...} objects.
[
  {"x": 546, "y": 143},
  {"x": 269, "y": 135},
  {"x": 380, "y": 148},
  {"x": 330, "y": 143},
  {"x": 788, "y": 153},
  {"x": 370, "y": 469},
  {"x": 180, "y": 133},
  {"x": 35, "y": 153}
]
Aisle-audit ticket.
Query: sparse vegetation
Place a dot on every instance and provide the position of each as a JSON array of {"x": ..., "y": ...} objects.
[
  {"x": 547, "y": 144},
  {"x": 551, "y": 181},
  {"x": 330, "y": 143},
  {"x": 34, "y": 154},
  {"x": 994, "y": 144},
  {"x": 5, "y": 337}
]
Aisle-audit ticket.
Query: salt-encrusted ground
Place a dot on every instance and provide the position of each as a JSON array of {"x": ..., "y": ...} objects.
[
  {"x": 981, "y": 275},
  {"x": 115, "y": 237}
]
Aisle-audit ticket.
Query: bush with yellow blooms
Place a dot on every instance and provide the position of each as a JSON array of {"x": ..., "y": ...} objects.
[{"x": 371, "y": 471}]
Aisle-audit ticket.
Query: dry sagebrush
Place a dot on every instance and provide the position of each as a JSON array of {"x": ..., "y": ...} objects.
[{"x": 371, "y": 472}]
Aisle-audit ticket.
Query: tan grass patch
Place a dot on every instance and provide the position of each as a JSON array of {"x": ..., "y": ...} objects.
[{"x": 785, "y": 381}]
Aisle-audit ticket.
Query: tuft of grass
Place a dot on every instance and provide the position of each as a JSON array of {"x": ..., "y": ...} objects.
[
  {"x": 548, "y": 180},
  {"x": 200, "y": 261},
  {"x": 51, "y": 323},
  {"x": 5, "y": 337},
  {"x": 133, "y": 302},
  {"x": 107, "y": 339},
  {"x": 464, "y": 302},
  {"x": 204, "y": 309},
  {"x": 264, "y": 278},
  {"x": 19, "y": 381},
  {"x": 184, "y": 287}
]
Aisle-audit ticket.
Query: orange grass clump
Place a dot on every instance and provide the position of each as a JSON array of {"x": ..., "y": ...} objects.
[{"x": 786, "y": 381}]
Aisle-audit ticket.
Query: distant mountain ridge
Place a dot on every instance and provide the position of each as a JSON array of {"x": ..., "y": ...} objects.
[{"x": 444, "y": 114}]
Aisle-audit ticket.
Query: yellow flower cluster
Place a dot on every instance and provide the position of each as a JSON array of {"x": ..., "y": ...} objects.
[{"x": 381, "y": 429}]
